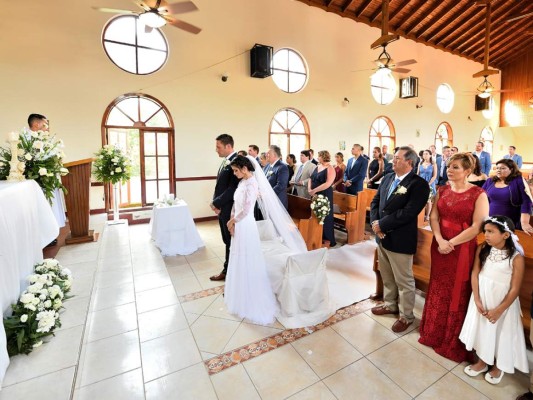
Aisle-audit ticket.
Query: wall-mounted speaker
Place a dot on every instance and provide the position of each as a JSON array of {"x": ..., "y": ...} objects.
[
  {"x": 482, "y": 103},
  {"x": 408, "y": 87},
  {"x": 261, "y": 61}
]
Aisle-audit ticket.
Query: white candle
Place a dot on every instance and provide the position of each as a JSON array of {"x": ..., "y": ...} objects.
[{"x": 11, "y": 136}]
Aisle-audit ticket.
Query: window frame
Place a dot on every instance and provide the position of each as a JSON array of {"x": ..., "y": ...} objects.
[
  {"x": 288, "y": 71},
  {"x": 439, "y": 139},
  {"x": 287, "y": 132},
  {"x": 380, "y": 136}
]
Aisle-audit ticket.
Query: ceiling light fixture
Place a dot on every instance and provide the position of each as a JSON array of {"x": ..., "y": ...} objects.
[
  {"x": 531, "y": 102},
  {"x": 152, "y": 19},
  {"x": 485, "y": 88}
]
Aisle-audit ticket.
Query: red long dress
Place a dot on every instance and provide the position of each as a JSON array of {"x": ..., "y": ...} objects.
[{"x": 449, "y": 284}]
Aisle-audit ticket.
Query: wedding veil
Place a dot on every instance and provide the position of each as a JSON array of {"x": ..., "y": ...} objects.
[{"x": 273, "y": 210}]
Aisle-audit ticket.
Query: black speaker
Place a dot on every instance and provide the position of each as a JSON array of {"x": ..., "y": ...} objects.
[
  {"x": 261, "y": 61},
  {"x": 482, "y": 103}
]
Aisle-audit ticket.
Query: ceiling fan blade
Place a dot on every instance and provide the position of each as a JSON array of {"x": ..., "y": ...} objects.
[
  {"x": 148, "y": 29},
  {"x": 184, "y": 25},
  {"x": 519, "y": 17},
  {"x": 401, "y": 70},
  {"x": 406, "y": 62},
  {"x": 113, "y": 10},
  {"x": 180, "y": 8}
]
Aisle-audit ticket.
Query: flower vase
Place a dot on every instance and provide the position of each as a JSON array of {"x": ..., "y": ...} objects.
[{"x": 116, "y": 200}]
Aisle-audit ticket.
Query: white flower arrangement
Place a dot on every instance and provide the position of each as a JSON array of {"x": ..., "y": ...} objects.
[
  {"x": 167, "y": 201},
  {"x": 321, "y": 207},
  {"x": 36, "y": 314},
  {"x": 112, "y": 165},
  {"x": 401, "y": 190}
]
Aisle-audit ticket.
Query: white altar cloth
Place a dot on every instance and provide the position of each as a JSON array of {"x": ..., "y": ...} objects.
[
  {"x": 173, "y": 230},
  {"x": 27, "y": 224}
]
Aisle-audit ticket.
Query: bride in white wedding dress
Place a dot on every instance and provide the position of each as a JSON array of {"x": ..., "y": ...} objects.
[{"x": 280, "y": 265}]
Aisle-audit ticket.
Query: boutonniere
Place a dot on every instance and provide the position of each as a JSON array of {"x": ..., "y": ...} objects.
[
  {"x": 401, "y": 190},
  {"x": 270, "y": 173},
  {"x": 226, "y": 163}
]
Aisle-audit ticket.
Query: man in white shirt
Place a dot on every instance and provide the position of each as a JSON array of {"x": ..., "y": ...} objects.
[
  {"x": 513, "y": 156},
  {"x": 484, "y": 158}
]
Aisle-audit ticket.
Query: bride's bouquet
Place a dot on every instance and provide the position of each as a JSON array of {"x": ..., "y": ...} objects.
[
  {"x": 40, "y": 157},
  {"x": 321, "y": 207},
  {"x": 112, "y": 165}
]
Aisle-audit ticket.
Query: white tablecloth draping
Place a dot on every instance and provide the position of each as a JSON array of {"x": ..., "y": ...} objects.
[
  {"x": 173, "y": 230},
  {"x": 27, "y": 224}
]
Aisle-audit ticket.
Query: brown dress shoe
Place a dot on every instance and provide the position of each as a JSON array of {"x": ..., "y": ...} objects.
[
  {"x": 382, "y": 310},
  {"x": 219, "y": 277},
  {"x": 400, "y": 325}
]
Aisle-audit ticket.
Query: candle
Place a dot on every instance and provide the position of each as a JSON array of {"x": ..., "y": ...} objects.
[{"x": 11, "y": 136}]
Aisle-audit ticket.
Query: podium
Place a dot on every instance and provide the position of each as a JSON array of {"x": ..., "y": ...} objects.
[{"x": 78, "y": 184}]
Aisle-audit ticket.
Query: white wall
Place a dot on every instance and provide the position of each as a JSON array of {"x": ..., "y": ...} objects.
[{"x": 58, "y": 68}]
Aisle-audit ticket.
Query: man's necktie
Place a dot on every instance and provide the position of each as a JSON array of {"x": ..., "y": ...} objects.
[
  {"x": 222, "y": 166},
  {"x": 298, "y": 174},
  {"x": 393, "y": 186}
]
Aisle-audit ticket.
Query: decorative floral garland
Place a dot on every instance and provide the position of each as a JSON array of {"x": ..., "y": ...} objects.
[
  {"x": 321, "y": 207},
  {"x": 36, "y": 314}
]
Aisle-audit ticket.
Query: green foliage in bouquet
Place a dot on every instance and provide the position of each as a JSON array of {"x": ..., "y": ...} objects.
[
  {"x": 321, "y": 207},
  {"x": 40, "y": 157},
  {"x": 111, "y": 165},
  {"x": 36, "y": 314}
]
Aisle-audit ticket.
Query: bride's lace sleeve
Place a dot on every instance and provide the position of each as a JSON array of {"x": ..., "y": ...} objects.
[{"x": 249, "y": 199}]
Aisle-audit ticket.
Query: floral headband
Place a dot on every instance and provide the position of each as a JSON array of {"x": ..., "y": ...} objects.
[{"x": 506, "y": 228}]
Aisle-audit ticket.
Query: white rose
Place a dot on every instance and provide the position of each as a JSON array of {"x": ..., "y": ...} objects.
[
  {"x": 34, "y": 134},
  {"x": 40, "y": 342},
  {"x": 38, "y": 144},
  {"x": 118, "y": 169},
  {"x": 28, "y": 156},
  {"x": 23, "y": 318},
  {"x": 48, "y": 303},
  {"x": 115, "y": 160},
  {"x": 26, "y": 298},
  {"x": 63, "y": 171},
  {"x": 30, "y": 306},
  {"x": 43, "y": 171},
  {"x": 112, "y": 173},
  {"x": 57, "y": 304}
]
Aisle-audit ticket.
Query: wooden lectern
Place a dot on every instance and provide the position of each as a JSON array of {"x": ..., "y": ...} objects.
[{"x": 78, "y": 184}]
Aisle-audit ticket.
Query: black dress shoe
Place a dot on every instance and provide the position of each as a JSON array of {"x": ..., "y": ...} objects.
[
  {"x": 219, "y": 277},
  {"x": 525, "y": 396}
]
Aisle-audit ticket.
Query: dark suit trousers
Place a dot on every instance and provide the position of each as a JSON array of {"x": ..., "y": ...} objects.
[{"x": 223, "y": 219}]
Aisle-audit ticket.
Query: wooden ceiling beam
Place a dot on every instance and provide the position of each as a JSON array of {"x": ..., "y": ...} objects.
[
  {"x": 329, "y": 3},
  {"x": 511, "y": 54},
  {"x": 375, "y": 14},
  {"x": 408, "y": 14},
  {"x": 361, "y": 9},
  {"x": 512, "y": 42},
  {"x": 423, "y": 15},
  {"x": 433, "y": 22},
  {"x": 466, "y": 13},
  {"x": 475, "y": 25},
  {"x": 347, "y": 5},
  {"x": 397, "y": 9}
]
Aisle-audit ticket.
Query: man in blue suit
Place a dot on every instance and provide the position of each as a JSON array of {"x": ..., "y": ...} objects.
[
  {"x": 277, "y": 174},
  {"x": 355, "y": 172},
  {"x": 513, "y": 156},
  {"x": 484, "y": 158}
]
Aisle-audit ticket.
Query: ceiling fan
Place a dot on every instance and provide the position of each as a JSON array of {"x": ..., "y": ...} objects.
[{"x": 157, "y": 13}]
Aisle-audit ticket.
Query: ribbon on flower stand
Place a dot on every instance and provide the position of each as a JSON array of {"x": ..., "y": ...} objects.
[
  {"x": 116, "y": 200},
  {"x": 16, "y": 167}
]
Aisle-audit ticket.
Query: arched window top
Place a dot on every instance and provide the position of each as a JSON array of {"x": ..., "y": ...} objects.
[
  {"x": 443, "y": 136},
  {"x": 137, "y": 110},
  {"x": 487, "y": 137},
  {"x": 290, "y": 70},
  {"x": 133, "y": 48},
  {"x": 289, "y": 130},
  {"x": 382, "y": 126}
]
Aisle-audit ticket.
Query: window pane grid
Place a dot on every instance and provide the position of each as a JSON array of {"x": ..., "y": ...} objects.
[{"x": 290, "y": 71}]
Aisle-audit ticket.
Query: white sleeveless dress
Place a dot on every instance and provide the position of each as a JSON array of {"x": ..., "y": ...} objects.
[
  {"x": 504, "y": 340},
  {"x": 248, "y": 292}
]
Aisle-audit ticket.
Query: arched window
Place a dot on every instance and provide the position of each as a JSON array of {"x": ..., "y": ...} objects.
[
  {"x": 290, "y": 131},
  {"x": 487, "y": 137},
  {"x": 142, "y": 126},
  {"x": 443, "y": 136},
  {"x": 381, "y": 133},
  {"x": 290, "y": 70}
]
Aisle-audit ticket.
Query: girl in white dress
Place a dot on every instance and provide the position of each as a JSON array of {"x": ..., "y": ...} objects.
[
  {"x": 493, "y": 325},
  {"x": 248, "y": 292}
]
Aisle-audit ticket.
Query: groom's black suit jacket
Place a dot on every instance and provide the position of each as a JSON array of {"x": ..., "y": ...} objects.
[
  {"x": 398, "y": 215},
  {"x": 224, "y": 189}
]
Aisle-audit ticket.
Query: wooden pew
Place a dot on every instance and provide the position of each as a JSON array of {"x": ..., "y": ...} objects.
[
  {"x": 305, "y": 220},
  {"x": 351, "y": 217},
  {"x": 422, "y": 268}
]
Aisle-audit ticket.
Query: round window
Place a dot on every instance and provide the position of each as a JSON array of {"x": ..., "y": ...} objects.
[
  {"x": 383, "y": 86},
  {"x": 290, "y": 70},
  {"x": 445, "y": 98}
]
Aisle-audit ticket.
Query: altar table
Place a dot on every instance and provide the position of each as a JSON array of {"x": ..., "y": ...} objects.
[
  {"x": 27, "y": 224},
  {"x": 173, "y": 230}
]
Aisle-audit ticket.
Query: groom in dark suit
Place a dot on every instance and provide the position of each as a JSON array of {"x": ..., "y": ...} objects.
[
  {"x": 277, "y": 174},
  {"x": 223, "y": 197},
  {"x": 393, "y": 215}
]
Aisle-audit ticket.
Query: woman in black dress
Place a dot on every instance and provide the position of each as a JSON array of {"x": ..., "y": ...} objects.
[
  {"x": 321, "y": 182},
  {"x": 375, "y": 169}
]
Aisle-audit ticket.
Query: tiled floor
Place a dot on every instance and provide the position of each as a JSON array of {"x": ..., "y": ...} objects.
[{"x": 145, "y": 327}]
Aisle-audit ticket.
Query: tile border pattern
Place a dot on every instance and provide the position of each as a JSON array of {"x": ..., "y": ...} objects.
[
  {"x": 201, "y": 294},
  {"x": 234, "y": 357}
]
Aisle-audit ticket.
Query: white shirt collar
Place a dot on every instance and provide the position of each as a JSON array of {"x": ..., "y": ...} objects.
[
  {"x": 402, "y": 177},
  {"x": 230, "y": 155}
]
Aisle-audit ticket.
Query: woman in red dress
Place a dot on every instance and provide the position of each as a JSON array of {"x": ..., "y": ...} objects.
[{"x": 455, "y": 222}]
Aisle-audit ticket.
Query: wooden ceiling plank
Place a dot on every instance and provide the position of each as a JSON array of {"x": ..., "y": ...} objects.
[
  {"x": 473, "y": 26},
  {"x": 450, "y": 24},
  {"x": 512, "y": 42},
  {"x": 375, "y": 14},
  {"x": 361, "y": 9},
  {"x": 423, "y": 15},
  {"x": 347, "y": 5},
  {"x": 434, "y": 21},
  {"x": 397, "y": 9},
  {"x": 398, "y": 25},
  {"x": 511, "y": 54}
]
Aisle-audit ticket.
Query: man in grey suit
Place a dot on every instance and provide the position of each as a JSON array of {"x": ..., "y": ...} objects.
[
  {"x": 277, "y": 174},
  {"x": 302, "y": 175}
]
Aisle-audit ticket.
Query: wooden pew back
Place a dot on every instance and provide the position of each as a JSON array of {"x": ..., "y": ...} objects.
[
  {"x": 345, "y": 202},
  {"x": 307, "y": 223}
]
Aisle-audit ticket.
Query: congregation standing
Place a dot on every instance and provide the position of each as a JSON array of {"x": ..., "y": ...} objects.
[{"x": 464, "y": 316}]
